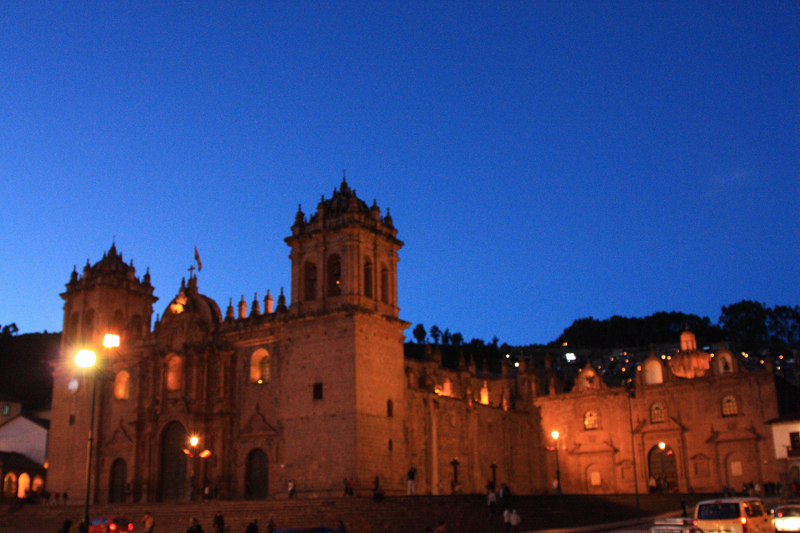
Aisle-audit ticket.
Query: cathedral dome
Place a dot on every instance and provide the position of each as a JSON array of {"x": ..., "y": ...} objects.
[
  {"x": 190, "y": 303},
  {"x": 689, "y": 362}
]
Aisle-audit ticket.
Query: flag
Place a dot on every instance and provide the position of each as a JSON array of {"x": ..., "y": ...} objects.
[{"x": 197, "y": 258}]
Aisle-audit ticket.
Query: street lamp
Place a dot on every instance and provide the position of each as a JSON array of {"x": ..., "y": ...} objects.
[
  {"x": 555, "y": 435},
  {"x": 88, "y": 359},
  {"x": 194, "y": 440}
]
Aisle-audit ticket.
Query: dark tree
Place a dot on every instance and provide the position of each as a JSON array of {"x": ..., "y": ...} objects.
[
  {"x": 446, "y": 336},
  {"x": 745, "y": 325},
  {"x": 457, "y": 339},
  {"x": 419, "y": 333},
  {"x": 435, "y": 333}
]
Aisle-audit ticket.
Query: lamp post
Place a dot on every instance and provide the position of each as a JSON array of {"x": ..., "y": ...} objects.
[
  {"x": 88, "y": 359},
  {"x": 455, "y": 464},
  {"x": 194, "y": 440},
  {"x": 555, "y": 435}
]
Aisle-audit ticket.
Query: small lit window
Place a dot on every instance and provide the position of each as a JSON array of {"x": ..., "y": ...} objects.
[
  {"x": 729, "y": 406},
  {"x": 657, "y": 415},
  {"x": 390, "y": 445},
  {"x": 174, "y": 373},
  {"x": 389, "y": 408},
  {"x": 6, "y": 410},
  {"x": 317, "y": 391},
  {"x": 590, "y": 420},
  {"x": 122, "y": 385}
]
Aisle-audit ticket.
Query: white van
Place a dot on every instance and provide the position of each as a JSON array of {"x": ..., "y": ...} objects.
[{"x": 732, "y": 515}]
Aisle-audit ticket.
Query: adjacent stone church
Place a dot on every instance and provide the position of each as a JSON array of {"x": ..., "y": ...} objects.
[{"x": 317, "y": 391}]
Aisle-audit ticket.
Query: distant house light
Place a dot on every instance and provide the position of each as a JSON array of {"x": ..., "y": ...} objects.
[{"x": 570, "y": 357}]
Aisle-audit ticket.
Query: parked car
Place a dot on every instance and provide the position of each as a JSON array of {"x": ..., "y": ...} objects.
[
  {"x": 732, "y": 515},
  {"x": 110, "y": 524},
  {"x": 674, "y": 525},
  {"x": 786, "y": 518}
]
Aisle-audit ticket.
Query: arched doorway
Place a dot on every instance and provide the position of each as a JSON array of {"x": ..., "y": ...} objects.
[
  {"x": 663, "y": 468},
  {"x": 116, "y": 483},
  {"x": 256, "y": 478},
  {"x": 10, "y": 485},
  {"x": 173, "y": 484}
]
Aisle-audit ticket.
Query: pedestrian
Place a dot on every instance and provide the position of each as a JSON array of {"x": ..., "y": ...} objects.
[
  {"x": 252, "y": 527},
  {"x": 207, "y": 493},
  {"x": 515, "y": 519},
  {"x": 491, "y": 501},
  {"x": 291, "y": 489},
  {"x": 148, "y": 522},
  {"x": 65, "y": 526},
  {"x": 194, "y": 526},
  {"x": 507, "y": 520},
  {"x": 218, "y": 523},
  {"x": 412, "y": 487}
]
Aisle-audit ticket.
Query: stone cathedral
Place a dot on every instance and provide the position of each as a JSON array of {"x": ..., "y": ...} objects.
[
  {"x": 317, "y": 390},
  {"x": 314, "y": 391}
]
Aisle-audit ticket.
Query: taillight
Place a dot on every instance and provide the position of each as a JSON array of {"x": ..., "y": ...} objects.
[
  {"x": 743, "y": 520},
  {"x": 694, "y": 522},
  {"x": 112, "y": 527},
  {"x": 130, "y": 526}
]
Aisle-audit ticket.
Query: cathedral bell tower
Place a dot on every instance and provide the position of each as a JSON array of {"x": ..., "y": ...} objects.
[
  {"x": 108, "y": 298},
  {"x": 345, "y": 255}
]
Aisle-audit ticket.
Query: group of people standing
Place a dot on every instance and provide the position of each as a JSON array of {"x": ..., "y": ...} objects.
[{"x": 511, "y": 517}]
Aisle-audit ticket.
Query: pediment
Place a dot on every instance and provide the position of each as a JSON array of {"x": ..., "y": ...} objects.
[
  {"x": 257, "y": 425},
  {"x": 120, "y": 437}
]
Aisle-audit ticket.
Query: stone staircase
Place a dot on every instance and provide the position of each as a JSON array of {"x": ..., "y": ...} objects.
[{"x": 463, "y": 513}]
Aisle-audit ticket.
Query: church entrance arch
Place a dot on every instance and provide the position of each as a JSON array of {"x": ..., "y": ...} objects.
[
  {"x": 256, "y": 477},
  {"x": 116, "y": 481},
  {"x": 173, "y": 485},
  {"x": 663, "y": 468}
]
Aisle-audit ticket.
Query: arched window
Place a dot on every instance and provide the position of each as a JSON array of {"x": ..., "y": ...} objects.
[
  {"x": 74, "y": 322},
  {"x": 88, "y": 325},
  {"x": 590, "y": 420},
  {"x": 174, "y": 373},
  {"x": 485, "y": 394},
  {"x": 368, "y": 278},
  {"x": 447, "y": 387},
  {"x": 334, "y": 275},
  {"x": 729, "y": 406},
  {"x": 118, "y": 323},
  {"x": 389, "y": 408},
  {"x": 653, "y": 373},
  {"x": 657, "y": 413},
  {"x": 259, "y": 366},
  {"x": 122, "y": 385},
  {"x": 385, "y": 285},
  {"x": 135, "y": 328},
  {"x": 10, "y": 485},
  {"x": 24, "y": 485},
  {"x": 38, "y": 484},
  {"x": 725, "y": 363},
  {"x": 310, "y": 281}
]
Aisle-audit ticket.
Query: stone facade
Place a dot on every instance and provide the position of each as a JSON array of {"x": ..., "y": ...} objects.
[
  {"x": 694, "y": 423},
  {"x": 313, "y": 392},
  {"x": 319, "y": 391}
]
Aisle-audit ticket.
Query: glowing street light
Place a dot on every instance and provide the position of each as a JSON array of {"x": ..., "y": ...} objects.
[
  {"x": 88, "y": 359},
  {"x": 555, "y": 435}
]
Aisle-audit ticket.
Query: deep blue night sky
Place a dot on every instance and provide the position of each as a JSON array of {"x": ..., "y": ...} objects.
[{"x": 542, "y": 163}]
